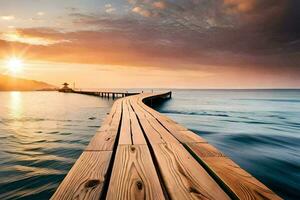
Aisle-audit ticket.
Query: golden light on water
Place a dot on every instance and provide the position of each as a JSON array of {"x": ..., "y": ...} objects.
[
  {"x": 14, "y": 64},
  {"x": 15, "y": 104}
]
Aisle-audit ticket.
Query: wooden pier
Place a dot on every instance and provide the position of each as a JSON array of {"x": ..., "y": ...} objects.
[
  {"x": 112, "y": 95},
  {"x": 140, "y": 154}
]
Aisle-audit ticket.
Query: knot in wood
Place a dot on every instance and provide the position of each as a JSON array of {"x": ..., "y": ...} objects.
[
  {"x": 92, "y": 183},
  {"x": 139, "y": 185}
]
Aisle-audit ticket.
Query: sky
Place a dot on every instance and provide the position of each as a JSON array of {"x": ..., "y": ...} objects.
[{"x": 154, "y": 43}]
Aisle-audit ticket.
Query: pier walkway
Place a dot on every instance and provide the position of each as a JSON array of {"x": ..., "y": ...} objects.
[
  {"x": 106, "y": 94},
  {"x": 140, "y": 154}
]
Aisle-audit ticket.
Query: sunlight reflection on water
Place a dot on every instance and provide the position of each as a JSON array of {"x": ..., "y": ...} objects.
[
  {"x": 42, "y": 135},
  {"x": 15, "y": 104}
]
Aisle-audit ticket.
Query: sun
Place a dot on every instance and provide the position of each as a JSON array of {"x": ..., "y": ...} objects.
[{"x": 14, "y": 64}]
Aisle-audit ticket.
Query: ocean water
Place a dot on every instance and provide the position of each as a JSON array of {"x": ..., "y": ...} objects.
[
  {"x": 43, "y": 133},
  {"x": 258, "y": 129},
  {"x": 41, "y": 136}
]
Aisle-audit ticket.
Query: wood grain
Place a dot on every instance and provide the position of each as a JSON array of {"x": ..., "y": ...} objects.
[
  {"x": 137, "y": 110},
  {"x": 85, "y": 179},
  {"x": 125, "y": 133},
  {"x": 112, "y": 120},
  {"x": 102, "y": 141},
  {"x": 153, "y": 136},
  {"x": 183, "y": 136},
  {"x": 204, "y": 150},
  {"x": 136, "y": 131},
  {"x": 153, "y": 129},
  {"x": 165, "y": 134},
  {"x": 134, "y": 175},
  {"x": 183, "y": 176},
  {"x": 241, "y": 183}
]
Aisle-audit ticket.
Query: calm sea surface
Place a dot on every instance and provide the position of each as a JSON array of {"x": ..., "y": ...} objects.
[
  {"x": 41, "y": 136},
  {"x": 43, "y": 133}
]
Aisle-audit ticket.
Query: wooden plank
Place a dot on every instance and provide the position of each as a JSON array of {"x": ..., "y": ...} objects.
[
  {"x": 114, "y": 126},
  {"x": 238, "y": 180},
  {"x": 113, "y": 116},
  {"x": 140, "y": 112},
  {"x": 166, "y": 135},
  {"x": 183, "y": 176},
  {"x": 153, "y": 136},
  {"x": 134, "y": 175},
  {"x": 183, "y": 136},
  {"x": 102, "y": 141},
  {"x": 155, "y": 131},
  {"x": 85, "y": 179},
  {"x": 181, "y": 133},
  {"x": 125, "y": 133},
  {"x": 205, "y": 150},
  {"x": 136, "y": 131},
  {"x": 241, "y": 183}
]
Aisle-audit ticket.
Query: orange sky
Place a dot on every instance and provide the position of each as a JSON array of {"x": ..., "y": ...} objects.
[{"x": 160, "y": 44}]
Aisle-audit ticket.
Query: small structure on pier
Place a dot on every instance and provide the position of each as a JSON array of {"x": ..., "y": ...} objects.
[{"x": 65, "y": 88}]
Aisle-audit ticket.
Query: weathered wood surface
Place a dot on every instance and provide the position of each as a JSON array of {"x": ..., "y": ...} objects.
[
  {"x": 138, "y": 153},
  {"x": 134, "y": 175},
  {"x": 85, "y": 179},
  {"x": 241, "y": 183},
  {"x": 183, "y": 176}
]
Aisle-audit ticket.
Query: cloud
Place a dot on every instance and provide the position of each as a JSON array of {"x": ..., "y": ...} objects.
[
  {"x": 142, "y": 11},
  {"x": 179, "y": 35},
  {"x": 159, "y": 4},
  {"x": 109, "y": 8},
  {"x": 240, "y": 5},
  {"x": 141, "y": 43},
  {"x": 40, "y": 13},
  {"x": 28, "y": 36},
  {"x": 7, "y": 17}
]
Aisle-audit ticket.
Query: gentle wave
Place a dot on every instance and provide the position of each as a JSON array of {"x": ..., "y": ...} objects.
[
  {"x": 273, "y": 100},
  {"x": 194, "y": 113},
  {"x": 41, "y": 141}
]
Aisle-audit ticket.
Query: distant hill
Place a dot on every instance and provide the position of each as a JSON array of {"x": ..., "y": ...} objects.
[{"x": 9, "y": 83}]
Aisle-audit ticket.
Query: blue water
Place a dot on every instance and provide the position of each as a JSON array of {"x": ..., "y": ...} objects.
[
  {"x": 43, "y": 133},
  {"x": 258, "y": 129},
  {"x": 41, "y": 136}
]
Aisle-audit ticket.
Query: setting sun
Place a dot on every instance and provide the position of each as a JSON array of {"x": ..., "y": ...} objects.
[{"x": 14, "y": 64}]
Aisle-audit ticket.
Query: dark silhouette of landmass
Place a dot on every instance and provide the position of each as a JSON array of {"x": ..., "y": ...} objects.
[{"x": 9, "y": 83}]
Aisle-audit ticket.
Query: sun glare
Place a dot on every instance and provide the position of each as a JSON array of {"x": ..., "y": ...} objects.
[{"x": 14, "y": 64}]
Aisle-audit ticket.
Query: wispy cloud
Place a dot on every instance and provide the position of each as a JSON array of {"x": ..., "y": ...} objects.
[
  {"x": 142, "y": 11},
  {"x": 159, "y": 4},
  {"x": 109, "y": 8},
  {"x": 40, "y": 13},
  {"x": 7, "y": 17},
  {"x": 175, "y": 34},
  {"x": 31, "y": 39}
]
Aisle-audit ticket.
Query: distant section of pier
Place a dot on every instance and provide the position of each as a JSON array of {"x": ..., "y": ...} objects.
[
  {"x": 106, "y": 94},
  {"x": 112, "y": 95},
  {"x": 140, "y": 154}
]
